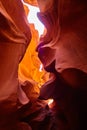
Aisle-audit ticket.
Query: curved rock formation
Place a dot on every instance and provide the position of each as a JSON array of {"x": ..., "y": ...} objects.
[
  {"x": 15, "y": 36},
  {"x": 63, "y": 52}
]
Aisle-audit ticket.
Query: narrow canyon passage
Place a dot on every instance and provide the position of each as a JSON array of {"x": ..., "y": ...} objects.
[{"x": 43, "y": 66}]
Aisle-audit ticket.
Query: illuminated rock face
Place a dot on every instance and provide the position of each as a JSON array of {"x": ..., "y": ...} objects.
[
  {"x": 32, "y": 2},
  {"x": 29, "y": 68}
]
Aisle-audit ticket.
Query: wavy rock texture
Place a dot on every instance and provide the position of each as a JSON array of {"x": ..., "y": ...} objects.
[
  {"x": 63, "y": 52},
  {"x": 61, "y": 48},
  {"x": 14, "y": 38}
]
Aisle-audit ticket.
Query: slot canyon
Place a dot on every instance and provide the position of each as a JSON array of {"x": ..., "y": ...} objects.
[{"x": 43, "y": 65}]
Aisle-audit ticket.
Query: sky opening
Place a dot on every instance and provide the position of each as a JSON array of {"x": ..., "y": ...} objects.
[{"x": 32, "y": 18}]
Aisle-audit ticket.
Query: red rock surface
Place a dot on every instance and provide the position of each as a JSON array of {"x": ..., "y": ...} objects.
[{"x": 63, "y": 52}]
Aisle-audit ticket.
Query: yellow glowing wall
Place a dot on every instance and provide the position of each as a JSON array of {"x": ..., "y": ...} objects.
[{"x": 30, "y": 64}]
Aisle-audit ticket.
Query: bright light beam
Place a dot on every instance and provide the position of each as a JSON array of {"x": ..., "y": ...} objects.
[{"x": 32, "y": 18}]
